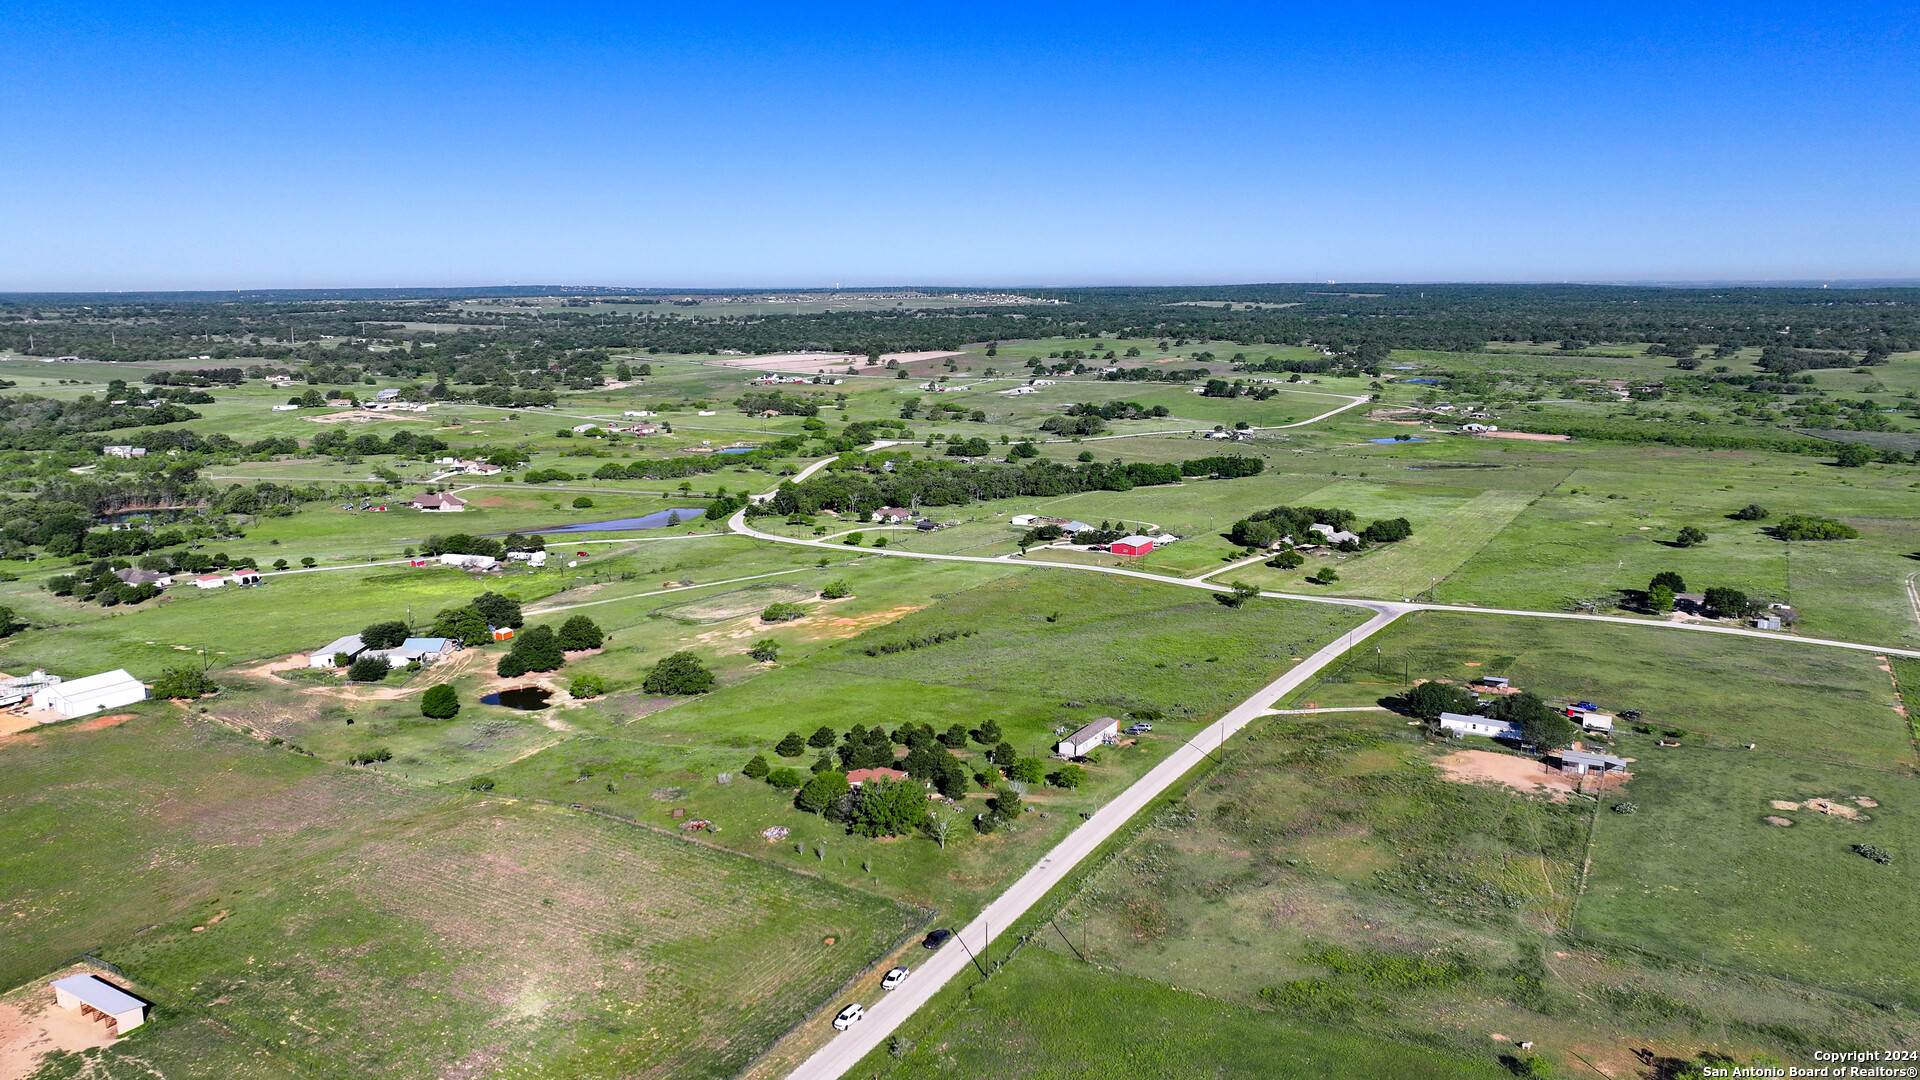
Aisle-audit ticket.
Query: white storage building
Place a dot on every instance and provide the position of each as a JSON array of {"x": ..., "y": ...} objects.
[
  {"x": 322, "y": 657},
  {"x": 78, "y": 697},
  {"x": 98, "y": 997}
]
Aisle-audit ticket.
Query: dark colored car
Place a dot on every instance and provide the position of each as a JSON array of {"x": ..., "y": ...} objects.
[{"x": 937, "y": 939}]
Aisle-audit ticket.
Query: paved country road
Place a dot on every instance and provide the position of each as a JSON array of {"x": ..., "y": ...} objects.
[{"x": 888, "y": 1010}]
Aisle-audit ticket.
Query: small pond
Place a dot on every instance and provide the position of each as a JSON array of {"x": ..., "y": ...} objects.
[
  {"x": 655, "y": 520},
  {"x": 524, "y": 698},
  {"x": 1410, "y": 438}
]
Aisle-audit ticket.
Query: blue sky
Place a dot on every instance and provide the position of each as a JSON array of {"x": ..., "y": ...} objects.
[{"x": 211, "y": 146}]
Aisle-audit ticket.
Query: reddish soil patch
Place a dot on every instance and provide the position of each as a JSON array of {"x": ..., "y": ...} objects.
[
  {"x": 1520, "y": 774},
  {"x": 493, "y": 500},
  {"x": 98, "y": 722}
]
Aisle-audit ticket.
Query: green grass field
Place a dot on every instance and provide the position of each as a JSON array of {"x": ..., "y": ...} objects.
[{"x": 356, "y": 926}]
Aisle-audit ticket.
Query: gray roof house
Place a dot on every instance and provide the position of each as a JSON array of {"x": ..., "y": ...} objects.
[{"x": 322, "y": 657}]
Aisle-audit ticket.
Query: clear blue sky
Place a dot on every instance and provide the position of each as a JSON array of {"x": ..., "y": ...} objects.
[{"x": 226, "y": 146}]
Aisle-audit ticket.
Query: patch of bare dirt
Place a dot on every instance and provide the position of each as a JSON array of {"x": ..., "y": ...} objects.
[
  {"x": 364, "y": 418},
  {"x": 97, "y": 722},
  {"x": 1520, "y": 774},
  {"x": 1774, "y": 819},
  {"x": 854, "y": 625}
]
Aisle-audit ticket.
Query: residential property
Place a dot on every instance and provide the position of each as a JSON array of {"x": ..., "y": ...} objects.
[
  {"x": 1025, "y": 521},
  {"x": 1582, "y": 762},
  {"x": 1479, "y": 429},
  {"x": 245, "y": 577},
  {"x": 326, "y": 655},
  {"x": 1071, "y": 527},
  {"x": 860, "y": 776},
  {"x": 1486, "y": 727},
  {"x": 1332, "y": 535},
  {"x": 428, "y": 649},
  {"x": 124, "y": 451},
  {"x": 135, "y": 576},
  {"x": 441, "y": 504},
  {"x": 582, "y": 429},
  {"x": 22, "y": 687},
  {"x": 1692, "y": 603},
  {"x": 480, "y": 468},
  {"x": 1133, "y": 545},
  {"x": 1098, "y": 733},
  {"x": 97, "y": 999},
  {"x": 386, "y": 395},
  {"x": 78, "y": 697},
  {"x": 892, "y": 515},
  {"x": 209, "y": 581},
  {"x": 639, "y": 412}
]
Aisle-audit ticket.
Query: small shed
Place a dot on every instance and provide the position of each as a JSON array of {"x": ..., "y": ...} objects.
[
  {"x": 99, "y": 999},
  {"x": 501, "y": 633},
  {"x": 78, "y": 697},
  {"x": 1691, "y": 602},
  {"x": 1462, "y": 724},
  {"x": 1098, "y": 733},
  {"x": 1133, "y": 545},
  {"x": 322, "y": 657},
  {"x": 1498, "y": 681},
  {"x": 1025, "y": 521},
  {"x": 209, "y": 581},
  {"x": 1591, "y": 719},
  {"x": 246, "y": 577}
]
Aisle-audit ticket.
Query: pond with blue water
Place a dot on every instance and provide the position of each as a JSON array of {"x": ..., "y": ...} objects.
[{"x": 655, "y": 520}]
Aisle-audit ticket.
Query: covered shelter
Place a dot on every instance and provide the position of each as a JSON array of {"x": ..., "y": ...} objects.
[
  {"x": 1582, "y": 762},
  {"x": 99, "y": 999}
]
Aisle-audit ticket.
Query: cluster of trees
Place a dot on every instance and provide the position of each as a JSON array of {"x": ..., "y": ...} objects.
[
  {"x": 927, "y": 483},
  {"x": 469, "y": 624},
  {"x": 1787, "y": 360},
  {"x": 1221, "y": 388},
  {"x": 99, "y": 583},
  {"x": 679, "y": 675},
  {"x": 542, "y": 648},
  {"x": 1118, "y": 410},
  {"x": 785, "y": 404},
  {"x": 1809, "y": 527},
  {"x": 468, "y": 544},
  {"x": 31, "y": 422},
  {"x": 1266, "y": 527},
  {"x": 338, "y": 443},
  {"x": 1540, "y": 724},
  {"x": 694, "y": 465}
]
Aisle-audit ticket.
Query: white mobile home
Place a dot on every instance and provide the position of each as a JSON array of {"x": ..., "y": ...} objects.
[
  {"x": 1098, "y": 733},
  {"x": 1461, "y": 724},
  {"x": 78, "y": 697}
]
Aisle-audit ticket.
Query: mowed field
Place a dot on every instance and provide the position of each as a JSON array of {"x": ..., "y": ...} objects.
[{"x": 348, "y": 926}]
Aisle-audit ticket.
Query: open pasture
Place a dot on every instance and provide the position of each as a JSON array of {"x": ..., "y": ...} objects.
[{"x": 354, "y": 926}]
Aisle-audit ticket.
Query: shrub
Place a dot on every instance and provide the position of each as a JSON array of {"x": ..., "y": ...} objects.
[
  {"x": 1853, "y": 455},
  {"x": 1067, "y": 776},
  {"x": 1690, "y": 537},
  {"x": 1286, "y": 560},
  {"x": 1750, "y": 512},
  {"x": 766, "y": 650},
  {"x": 822, "y": 791},
  {"x": 786, "y": 778},
  {"x": 1027, "y": 770},
  {"x": 580, "y": 633},
  {"x": 954, "y": 738},
  {"x": 499, "y": 610},
  {"x": 1660, "y": 599},
  {"x": 369, "y": 669},
  {"x": 679, "y": 675},
  {"x": 1387, "y": 531},
  {"x": 757, "y": 768},
  {"x": 791, "y": 746},
  {"x": 536, "y": 649},
  {"x": 368, "y": 757},
  {"x": 1807, "y": 527},
  {"x": 885, "y": 808},
  {"x": 581, "y": 502},
  {"x": 587, "y": 686},
  {"x": 782, "y": 611},
  {"x": 1868, "y": 851},
  {"x": 853, "y": 539},
  {"x": 440, "y": 702},
  {"x": 836, "y": 589},
  {"x": 822, "y": 738},
  {"x": 480, "y": 783},
  {"x": 1669, "y": 579},
  {"x": 183, "y": 682}
]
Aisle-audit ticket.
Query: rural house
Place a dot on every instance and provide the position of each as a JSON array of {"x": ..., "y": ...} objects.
[
  {"x": 860, "y": 776},
  {"x": 98, "y": 999},
  {"x": 1098, "y": 733},
  {"x": 78, "y": 697},
  {"x": 892, "y": 515},
  {"x": 209, "y": 581},
  {"x": 1332, "y": 535},
  {"x": 1461, "y": 724},
  {"x": 442, "y": 504},
  {"x": 470, "y": 562},
  {"x": 135, "y": 576},
  {"x": 124, "y": 451}
]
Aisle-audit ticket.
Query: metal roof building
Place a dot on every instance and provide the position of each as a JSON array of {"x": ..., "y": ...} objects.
[{"x": 78, "y": 697}]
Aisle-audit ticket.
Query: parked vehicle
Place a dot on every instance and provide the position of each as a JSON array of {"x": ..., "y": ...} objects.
[
  {"x": 893, "y": 978},
  {"x": 848, "y": 1017},
  {"x": 937, "y": 939},
  {"x": 1139, "y": 728}
]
